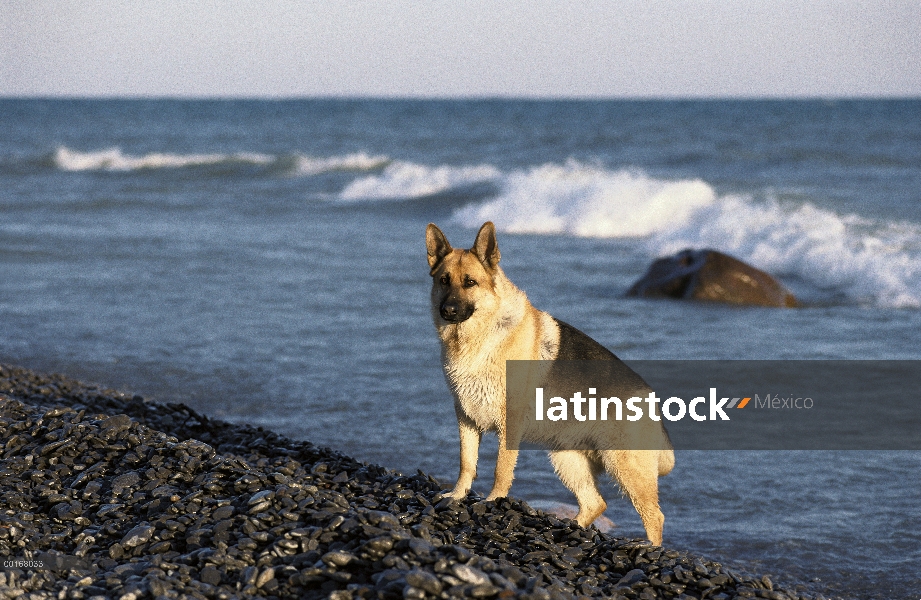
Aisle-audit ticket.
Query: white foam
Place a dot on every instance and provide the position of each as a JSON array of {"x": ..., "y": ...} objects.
[
  {"x": 869, "y": 262},
  {"x": 113, "y": 159},
  {"x": 588, "y": 201},
  {"x": 402, "y": 180},
  {"x": 359, "y": 161},
  {"x": 874, "y": 263}
]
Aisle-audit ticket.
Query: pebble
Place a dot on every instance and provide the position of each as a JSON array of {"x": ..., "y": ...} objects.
[
  {"x": 267, "y": 575},
  {"x": 469, "y": 574},
  {"x": 138, "y": 535},
  {"x": 631, "y": 578},
  {"x": 162, "y": 502}
]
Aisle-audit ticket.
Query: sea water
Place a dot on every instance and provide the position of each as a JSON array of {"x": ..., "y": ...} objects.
[{"x": 264, "y": 262}]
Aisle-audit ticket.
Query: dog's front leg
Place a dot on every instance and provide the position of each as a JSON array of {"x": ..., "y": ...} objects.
[
  {"x": 505, "y": 469},
  {"x": 469, "y": 451}
]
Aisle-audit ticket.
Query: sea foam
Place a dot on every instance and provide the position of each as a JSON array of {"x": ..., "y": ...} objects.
[
  {"x": 402, "y": 180},
  {"x": 358, "y": 161},
  {"x": 589, "y": 201},
  {"x": 871, "y": 262},
  {"x": 113, "y": 159},
  {"x": 867, "y": 261}
]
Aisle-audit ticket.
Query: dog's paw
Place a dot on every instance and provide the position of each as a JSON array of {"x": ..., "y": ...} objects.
[{"x": 454, "y": 494}]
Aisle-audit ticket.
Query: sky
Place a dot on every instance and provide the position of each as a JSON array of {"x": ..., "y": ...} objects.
[{"x": 461, "y": 48}]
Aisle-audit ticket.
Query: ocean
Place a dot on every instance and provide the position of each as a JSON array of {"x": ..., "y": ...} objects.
[{"x": 264, "y": 262}]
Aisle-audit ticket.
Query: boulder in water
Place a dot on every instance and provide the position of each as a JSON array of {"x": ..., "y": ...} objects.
[{"x": 713, "y": 276}]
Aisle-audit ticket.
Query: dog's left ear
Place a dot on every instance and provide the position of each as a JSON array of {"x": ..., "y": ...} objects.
[
  {"x": 437, "y": 245},
  {"x": 485, "y": 247}
]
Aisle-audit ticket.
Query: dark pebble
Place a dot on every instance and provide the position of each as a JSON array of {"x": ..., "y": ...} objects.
[
  {"x": 424, "y": 580},
  {"x": 469, "y": 574},
  {"x": 210, "y": 575},
  {"x": 236, "y": 511},
  {"x": 137, "y": 536},
  {"x": 338, "y": 559}
]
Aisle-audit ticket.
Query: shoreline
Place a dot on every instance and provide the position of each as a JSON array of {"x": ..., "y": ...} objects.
[{"x": 161, "y": 501}]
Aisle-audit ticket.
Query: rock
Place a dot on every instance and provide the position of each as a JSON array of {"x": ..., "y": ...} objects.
[
  {"x": 338, "y": 559},
  {"x": 115, "y": 423},
  {"x": 413, "y": 593},
  {"x": 710, "y": 275},
  {"x": 631, "y": 578},
  {"x": 127, "y": 480},
  {"x": 261, "y": 497},
  {"x": 267, "y": 575},
  {"x": 470, "y": 574},
  {"x": 210, "y": 575},
  {"x": 137, "y": 536},
  {"x": 424, "y": 580}
]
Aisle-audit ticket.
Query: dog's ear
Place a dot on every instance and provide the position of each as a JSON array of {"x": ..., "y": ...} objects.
[
  {"x": 437, "y": 245},
  {"x": 485, "y": 247}
]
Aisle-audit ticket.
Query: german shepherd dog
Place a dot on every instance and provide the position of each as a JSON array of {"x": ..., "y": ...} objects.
[{"x": 483, "y": 320}]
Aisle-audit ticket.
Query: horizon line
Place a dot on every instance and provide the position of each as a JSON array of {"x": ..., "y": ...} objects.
[{"x": 459, "y": 98}]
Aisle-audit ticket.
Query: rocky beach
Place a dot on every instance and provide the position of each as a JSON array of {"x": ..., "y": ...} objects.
[{"x": 130, "y": 499}]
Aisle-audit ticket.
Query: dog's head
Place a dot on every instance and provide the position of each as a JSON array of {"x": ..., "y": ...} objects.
[{"x": 462, "y": 280}]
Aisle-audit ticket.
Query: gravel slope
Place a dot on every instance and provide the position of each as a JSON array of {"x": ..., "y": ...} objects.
[{"x": 161, "y": 502}]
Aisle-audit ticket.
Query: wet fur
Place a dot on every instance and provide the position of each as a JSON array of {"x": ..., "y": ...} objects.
[{"x": 483, "y": 320}]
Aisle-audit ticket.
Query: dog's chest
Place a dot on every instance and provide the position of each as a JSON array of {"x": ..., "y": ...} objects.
[{"x": 479, "y": 391}]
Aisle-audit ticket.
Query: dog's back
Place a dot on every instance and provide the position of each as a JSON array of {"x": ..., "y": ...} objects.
[{"x": 576, "y": 345}]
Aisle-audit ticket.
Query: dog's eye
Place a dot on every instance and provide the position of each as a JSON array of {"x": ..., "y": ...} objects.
[
  {"x": 468, "y": 282},
  {"x": 445, "y": 279}
]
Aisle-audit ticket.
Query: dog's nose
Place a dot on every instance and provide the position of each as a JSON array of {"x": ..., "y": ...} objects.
[{"x": 449, "y": 310}]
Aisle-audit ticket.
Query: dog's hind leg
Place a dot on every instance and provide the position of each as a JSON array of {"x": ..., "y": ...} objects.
[
  {"x": 579, "y": 474},
  {"x": 469, "y": 451},
  {"x": 637, "y": 472}
]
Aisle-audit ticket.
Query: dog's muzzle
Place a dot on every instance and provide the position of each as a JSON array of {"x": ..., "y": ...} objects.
[{"x": 453, "y": 311}]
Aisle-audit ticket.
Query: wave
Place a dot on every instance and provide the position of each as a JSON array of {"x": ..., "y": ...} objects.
[
  {"x": 113, "y": 159},
  {"x": 358, "y": 161},
  {"x": 588, "y": 201},
  {"x": 405, "y": 180},
  {"x": 869, "y": 262}
]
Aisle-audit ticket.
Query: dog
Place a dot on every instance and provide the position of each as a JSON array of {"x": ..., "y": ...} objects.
[{"x": 483, "y": 320}]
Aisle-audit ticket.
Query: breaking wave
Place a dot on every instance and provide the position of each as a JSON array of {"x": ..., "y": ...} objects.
[
  {"x": 113, "y": 159},
  {"x": 401, "y": 180},
  {"x": 358, "y": 161},
  {"x": 869, "y": 262},
  {"x": 588, "y": 201}
]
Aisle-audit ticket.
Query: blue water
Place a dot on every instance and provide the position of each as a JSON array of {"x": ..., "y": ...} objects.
[{"x": 264, "y": 263}]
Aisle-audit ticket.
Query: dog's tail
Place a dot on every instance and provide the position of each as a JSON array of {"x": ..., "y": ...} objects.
[{"x": 666, "y": 456}]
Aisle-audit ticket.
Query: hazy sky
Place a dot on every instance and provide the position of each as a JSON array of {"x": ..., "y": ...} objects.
[{"x": 436, "y": 48}]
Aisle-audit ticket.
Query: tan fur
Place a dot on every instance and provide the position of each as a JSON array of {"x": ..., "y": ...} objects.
[{"x": 505, "y": 326}]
